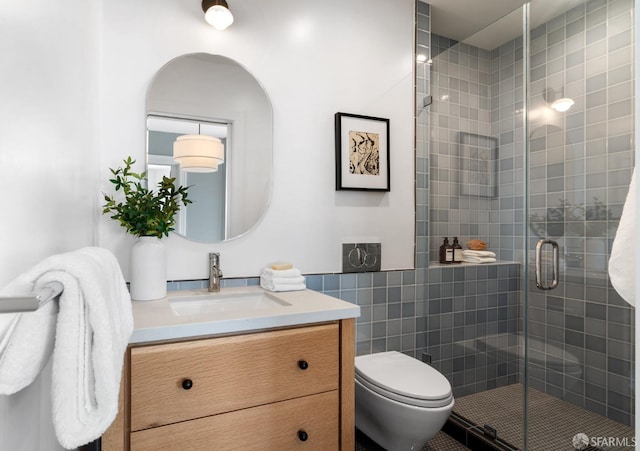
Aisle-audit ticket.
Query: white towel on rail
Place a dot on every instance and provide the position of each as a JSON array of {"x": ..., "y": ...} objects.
[
  {"x": 622, "y": 262},
  {"x": 93, "y": 329}
]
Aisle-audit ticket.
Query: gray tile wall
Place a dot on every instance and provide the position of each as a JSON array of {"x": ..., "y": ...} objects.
[
  {"x": 423, "y": 116},
  {"x": 476, "y": 92},
  {"x": 580, "y": 167},
  {"x": 461, "y": 84}
]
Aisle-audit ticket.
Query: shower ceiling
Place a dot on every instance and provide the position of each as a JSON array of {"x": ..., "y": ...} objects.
[{"x": 470, "y": 20}]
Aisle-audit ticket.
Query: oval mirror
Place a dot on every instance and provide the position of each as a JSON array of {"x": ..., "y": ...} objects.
[{"x": 211, "y": 95}]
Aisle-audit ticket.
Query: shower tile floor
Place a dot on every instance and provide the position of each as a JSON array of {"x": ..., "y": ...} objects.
[
  {"x": 441, "y": 442},
  {"x": 552, "y": 425}
]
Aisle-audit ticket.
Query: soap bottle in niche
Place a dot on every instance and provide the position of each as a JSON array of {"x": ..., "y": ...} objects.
[
  {"x": 457, "y": 250},
  {"x": 446, "y": 252}
]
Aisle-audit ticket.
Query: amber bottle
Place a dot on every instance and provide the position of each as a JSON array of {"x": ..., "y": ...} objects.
[
  {"x": 446, "y": 252},
  {"x": 457, "y": 251}
]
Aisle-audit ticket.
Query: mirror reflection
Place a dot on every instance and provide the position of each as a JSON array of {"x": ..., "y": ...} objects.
[
  {"x": 205, "y": 222},
  {"x": 210, "y": 101}
]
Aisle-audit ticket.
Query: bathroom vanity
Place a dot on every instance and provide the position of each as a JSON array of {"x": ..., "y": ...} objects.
[{"x": 250, "y": 370}]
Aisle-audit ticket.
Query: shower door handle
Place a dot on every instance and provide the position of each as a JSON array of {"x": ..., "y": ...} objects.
[{"x": 555, "y": 264}]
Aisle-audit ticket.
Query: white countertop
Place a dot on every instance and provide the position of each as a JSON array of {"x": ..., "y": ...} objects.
[{"x": 158, "y": 320}]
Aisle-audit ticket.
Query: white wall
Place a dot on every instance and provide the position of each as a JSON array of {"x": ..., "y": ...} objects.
[
  {"x": 313, "y": 59},
  {"x": 49, "y": 130}
]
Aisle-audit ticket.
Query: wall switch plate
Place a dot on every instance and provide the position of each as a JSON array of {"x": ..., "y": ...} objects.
[{"x": 361, "y": 257}]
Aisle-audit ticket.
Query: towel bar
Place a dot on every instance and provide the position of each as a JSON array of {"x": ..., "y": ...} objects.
[{"x": 32, "y": 301}]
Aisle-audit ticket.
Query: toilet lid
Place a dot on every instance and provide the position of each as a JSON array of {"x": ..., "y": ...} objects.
[{"x": 397, "y": 373}]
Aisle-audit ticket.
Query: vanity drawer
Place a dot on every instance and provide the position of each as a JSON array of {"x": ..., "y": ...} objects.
[
  {"x": 181, "y": 381},
  {"x": 278, "y": 426}
]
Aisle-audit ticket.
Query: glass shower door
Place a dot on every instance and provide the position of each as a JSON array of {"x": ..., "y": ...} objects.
[
  {"x": 476, "y": 172},
  {"x": 531, "y": 150},
  {"x": 579, "y": 153}
]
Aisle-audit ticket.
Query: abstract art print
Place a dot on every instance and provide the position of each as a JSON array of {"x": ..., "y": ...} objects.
[{"x": 362, "y": 152}]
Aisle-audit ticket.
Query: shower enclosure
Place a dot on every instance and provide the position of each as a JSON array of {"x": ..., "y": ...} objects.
[{"x": 528, "y": 127}]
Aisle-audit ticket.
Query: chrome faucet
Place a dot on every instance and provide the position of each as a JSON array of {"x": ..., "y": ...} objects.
[{"x": 214, "y": 272}]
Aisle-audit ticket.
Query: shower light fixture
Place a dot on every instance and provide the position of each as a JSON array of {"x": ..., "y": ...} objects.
[
  {"x": 217, "y": 14},
  {"x": 198, "y": 153},
  {"x": 562, "y": 105}
]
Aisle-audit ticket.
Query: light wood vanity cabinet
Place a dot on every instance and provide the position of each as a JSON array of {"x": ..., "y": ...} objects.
[{"x": 284, "y": 389}]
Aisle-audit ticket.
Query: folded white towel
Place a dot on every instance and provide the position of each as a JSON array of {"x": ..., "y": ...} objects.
[
  {"x": 282, "y": 287},
  {"x": 474, "y": 259},
  {"x": 293, "y": 272},
  {"x": 622, "y": 263},
  {"x": 92, "y": 332},
  {"x": 471, "y": 253},
  {"x": 283, "y": 280}
]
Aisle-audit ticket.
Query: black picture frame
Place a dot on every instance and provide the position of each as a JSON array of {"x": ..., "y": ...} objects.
[{"x": 362, "y": 153}]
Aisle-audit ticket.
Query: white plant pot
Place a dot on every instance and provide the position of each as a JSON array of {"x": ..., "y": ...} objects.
[{"x": 148, "y": 269}]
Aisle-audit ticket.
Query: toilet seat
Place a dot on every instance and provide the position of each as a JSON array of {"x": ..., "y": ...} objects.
[{"x": 404, "y": 379}]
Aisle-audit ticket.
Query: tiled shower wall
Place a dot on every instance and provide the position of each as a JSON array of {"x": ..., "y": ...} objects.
[
  {"x": 580, "y": 167},
  {"x": 461, "y": 77},
  {"x": 467, "y": 303},
  {"x": 477, "y": 92}
]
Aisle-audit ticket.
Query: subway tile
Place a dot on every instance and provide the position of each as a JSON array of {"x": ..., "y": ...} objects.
[
  {"x": 393, "y": 294},
  {"x": 596, "y": 17},
  {"x": 575, "y": 27},
  {"x": 619, "y": 109},
  {"x": 618, "y": 366},
  {"x": 619, "y": 75},
  {"x": 596, "y": 83}
]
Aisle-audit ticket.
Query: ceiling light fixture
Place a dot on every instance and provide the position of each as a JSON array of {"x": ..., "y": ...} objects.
[
  {"x": 198, "y": 153},
  {"x": 562, "y": 105},
  {"x": 217, "y": 14}
]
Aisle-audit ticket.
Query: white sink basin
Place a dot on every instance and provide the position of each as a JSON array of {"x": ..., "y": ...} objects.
[{"x": 223, "y": 302}]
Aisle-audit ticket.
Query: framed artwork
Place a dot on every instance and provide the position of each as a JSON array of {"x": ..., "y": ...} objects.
[
  {"x": 362, "y": 153},
  {"x": 478, "y": 165}
]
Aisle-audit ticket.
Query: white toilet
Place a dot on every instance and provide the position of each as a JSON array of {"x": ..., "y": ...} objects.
[{"x": 400, "y": 402}]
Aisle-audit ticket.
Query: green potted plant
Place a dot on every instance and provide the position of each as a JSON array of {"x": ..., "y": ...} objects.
[{"x": 149, "y": 215}]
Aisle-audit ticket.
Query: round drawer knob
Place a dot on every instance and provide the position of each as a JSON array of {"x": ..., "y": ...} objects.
[
  {"x": 303, "y": 364},
  {"x": 187, "y": 384},
  {"x": 302, "y": 435}
]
